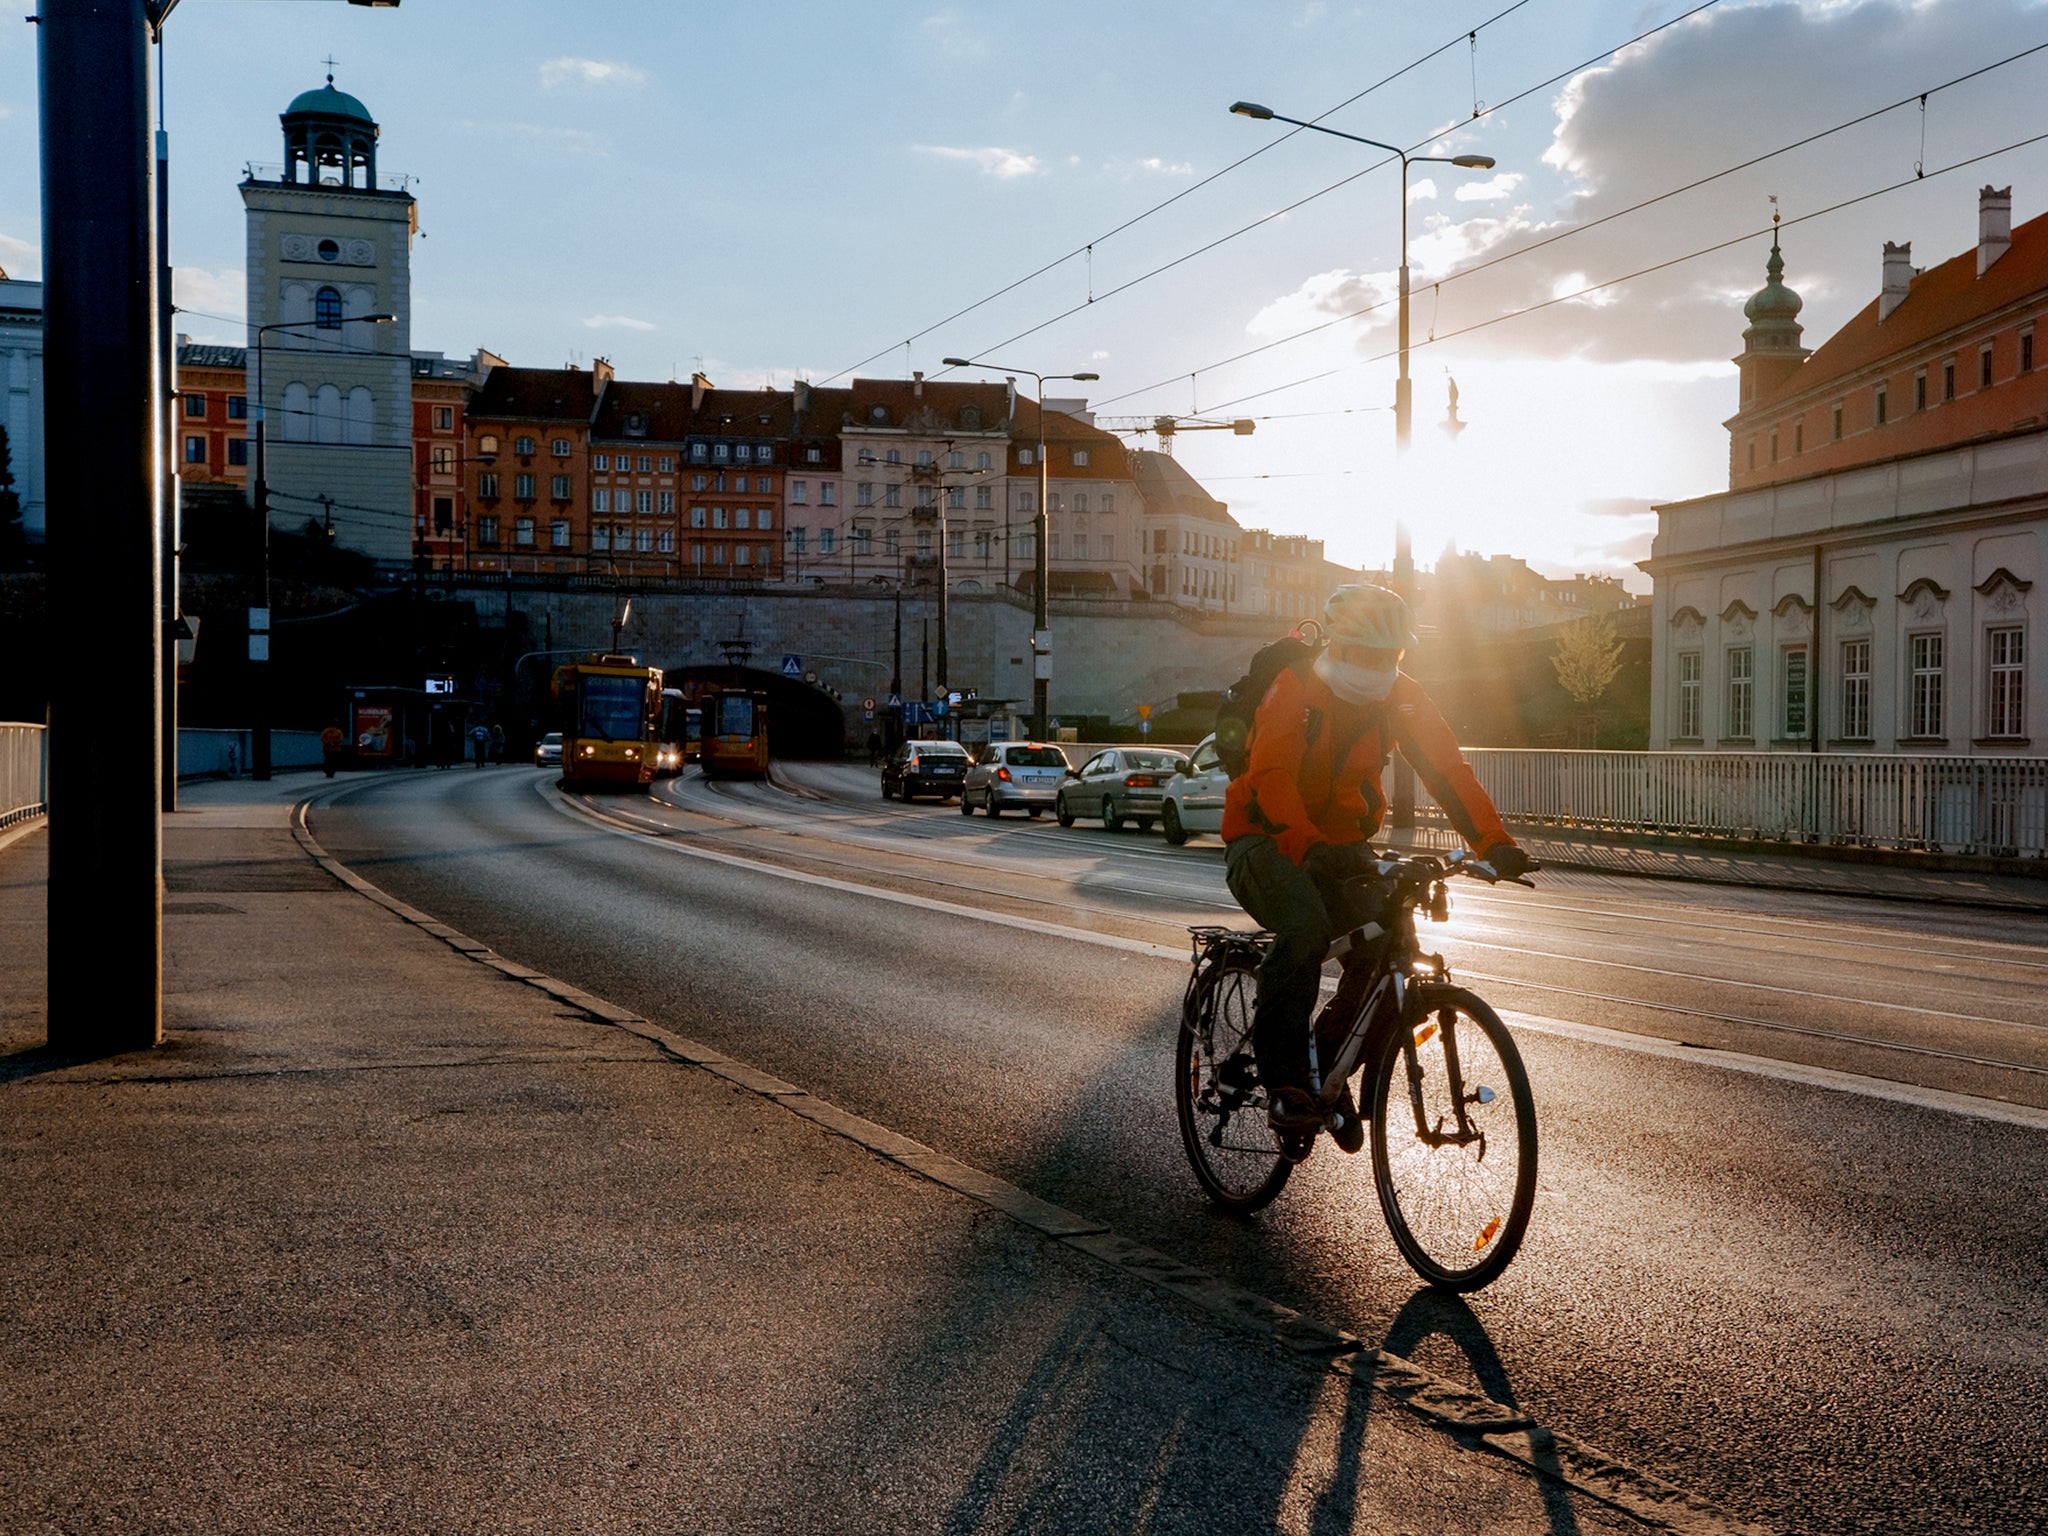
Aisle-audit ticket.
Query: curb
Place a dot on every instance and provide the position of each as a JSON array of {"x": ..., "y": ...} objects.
[{"x": 1474, "y": 1420}]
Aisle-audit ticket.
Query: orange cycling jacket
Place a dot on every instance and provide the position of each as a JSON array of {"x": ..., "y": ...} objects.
[{"x": 1314, "y": 775}]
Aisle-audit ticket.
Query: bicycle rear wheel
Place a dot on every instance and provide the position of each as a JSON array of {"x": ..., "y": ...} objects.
[
  {"x": 1453, "y": 1139},
  {"x": 1216, "y": 1089}
]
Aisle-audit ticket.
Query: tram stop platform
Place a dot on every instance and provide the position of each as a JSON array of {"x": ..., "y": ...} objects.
[{"x": 390, "y": 1234}]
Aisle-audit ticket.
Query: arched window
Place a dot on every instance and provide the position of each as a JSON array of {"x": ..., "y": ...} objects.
[
  {"x": 296, "y": 411},
  {"x": 327, "y": 309},
  {"x": 355, "y": 416},
  {"x": 327, "y": 415}
]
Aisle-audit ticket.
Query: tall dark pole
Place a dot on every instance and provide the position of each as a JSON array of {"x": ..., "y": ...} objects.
[
  {"x": 168, "y": 521},
  {"x": 896, "y": 669},
  {"x": 101, "y": 422}
]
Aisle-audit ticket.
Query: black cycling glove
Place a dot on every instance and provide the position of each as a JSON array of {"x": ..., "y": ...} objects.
[{"x": 1508, "y": 861}]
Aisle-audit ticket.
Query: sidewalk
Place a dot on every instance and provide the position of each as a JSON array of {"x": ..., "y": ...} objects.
[{"x": 387, "y": 1238}]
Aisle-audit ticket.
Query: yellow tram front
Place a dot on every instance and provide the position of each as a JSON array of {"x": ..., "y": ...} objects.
[
  {"x": 735, "y": 725},
  {"x": 611, "y": 707}
]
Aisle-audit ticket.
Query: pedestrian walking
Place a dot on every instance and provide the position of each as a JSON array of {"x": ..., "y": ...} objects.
[
  {"x": 480, "y": 743},
  {"x": 874, "y": 749},
  {"x": 497, "y": 742}
]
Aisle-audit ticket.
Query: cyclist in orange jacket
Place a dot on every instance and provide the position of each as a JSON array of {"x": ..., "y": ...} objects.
[{"x": 1296, "y": 824}]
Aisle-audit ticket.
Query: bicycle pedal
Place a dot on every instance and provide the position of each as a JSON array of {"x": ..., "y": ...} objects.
[{"x": 1295, "y": 1146}]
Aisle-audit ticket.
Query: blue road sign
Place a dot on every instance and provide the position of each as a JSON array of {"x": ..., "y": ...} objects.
[
  {"x": 895, "y": 701},
  {"x": 792, "y": 666}
]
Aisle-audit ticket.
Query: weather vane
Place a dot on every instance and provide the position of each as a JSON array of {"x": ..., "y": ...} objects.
[{"x": 329, "y": 62}]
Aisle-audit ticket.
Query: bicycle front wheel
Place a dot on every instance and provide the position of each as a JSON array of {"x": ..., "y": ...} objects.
[
  {"x": 1216, "y": 1089},
  {"x": 1453, "y": 1139}
]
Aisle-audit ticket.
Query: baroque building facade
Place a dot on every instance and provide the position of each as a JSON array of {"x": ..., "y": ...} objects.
[{"x": 1865, "y": 583}]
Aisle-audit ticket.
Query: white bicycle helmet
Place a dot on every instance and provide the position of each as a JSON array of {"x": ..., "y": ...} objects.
[{"x": 1369, "y": 617}]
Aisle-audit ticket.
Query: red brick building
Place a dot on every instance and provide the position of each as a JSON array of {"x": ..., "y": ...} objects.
[
  {"x": 441, "y": 392},
  {"x": 527, "y": 474},
  {"x": 212, "y": 414}
]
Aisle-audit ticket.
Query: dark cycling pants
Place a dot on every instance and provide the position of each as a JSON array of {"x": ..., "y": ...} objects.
[{"x": 1281, "y": 898}]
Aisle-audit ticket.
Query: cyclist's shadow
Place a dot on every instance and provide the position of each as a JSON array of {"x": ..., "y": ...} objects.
[{"x": 1428, "y": 1314}]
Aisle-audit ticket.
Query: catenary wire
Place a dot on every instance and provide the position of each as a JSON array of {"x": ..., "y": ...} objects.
[
  {"x": 1577, "y": 229},
  {"x": 1185, "y": 192}
]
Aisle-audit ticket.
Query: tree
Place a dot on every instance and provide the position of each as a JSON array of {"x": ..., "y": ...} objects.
[
  {"x": 1586, "y": 660},
  {"x": 13, "y": 537}
]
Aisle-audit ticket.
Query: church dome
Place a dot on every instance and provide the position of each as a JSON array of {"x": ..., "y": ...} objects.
[
  {"x": 1773, "y": 301},
  {"x": 328, "y": 102}
]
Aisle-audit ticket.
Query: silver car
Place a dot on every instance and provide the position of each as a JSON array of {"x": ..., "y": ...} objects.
[
  {"x": 549, "y": 753},
  {"x": 1192, "y": 800},
  {"x": 1014, "y": 776},
  {"x": 1119, "y": 784}
]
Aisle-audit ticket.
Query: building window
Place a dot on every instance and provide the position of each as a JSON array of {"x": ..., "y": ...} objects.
[
  {"x": 699, "y": 482},
  {"x": 927, "y": 496},
  {"x": 1948, "y": 380},
  {"x": 1919, "y": 391},
  {"x": 1109, "y": 501},
  {"x": 238, "y": 407},
  {"x": 864, "y": 494},
  {"x": 600, "y": 501},
  {"x": 1689, "y": 695},
  {"x": 1752, "y": 453},
  {"x": 892, "y": 542},
  {"x": 2026, "y": 351},
  {"x": 981, "y": 498},
  {"x": 195, "y": 450},
  {"x": 1741, "y": 692},
  {"x": 558, "y": 487},
  {"x": 522, "y": 487},
  {"x": 646, "y": 462},
  {"x": 742, "y": 517},
  {"x": 1080, "y": 546},
  {"x": 487, "y": 530},
  {"x": 763, "y": 518},
  {"x": 1109, "y": 547},
  {"x": 600, "y": 536},
  {"x": 487, "y": 486},
  {"x": 1774, "y": 445},
  {"x": 814, "y": 455},
  {"x": 1882, "y": 403},
  {"x": 696, "y": 517},
  {"x": 522, "y": 532},
  {"x": 1052, "y": 546},
  {"x": 1794, "y": 681},
  {"x": 1798, "y": 438},
  {"x": 892, "y": 495},
  {"x": 982, "y": 541},
  {"x": 956, "y": 497},
  {"x": 1835, "y": 422},
  {"x": 444, "y": 418},
  {"x": 828, "y": 494},
  {"x": 718, "y": 517},
  {"x": 1081, "y": 457},
  {"x": 720, "y": 452},
  {"x": 1024, "y": 456},
  {"x": 1924, "y": 711},
  {"x": 665, "y": 541},
  {"x": 523, "y": 446},
  {"x": 1984, "y": 366},
  {"x": 668, "y": 464},
  {"x": 699, "y": 453},
  {"x": 1856, "y": 690},
  {"x": 643, "y": 540},
  {"x": 444, "y": 514},
  {"x": 742, "y": 554},
  {"x": 443, "y": 460},
  {"x": 667, "y": 506},
  {"x": 828, "y": 540},
  {"x": 327, "y": 310},
  {"x": 559, "y": 447},
  {"x": 797, "y": 536},
  {"x": 2005, "y": 655},
  {"x": 238, "y": 450},
  {"x": 558, "y": 533},
  {"x": 643, "y": 502},
  {"x": 195, "y": 407},
  {"x": 924, "y": 543},
  {"x": 799, "y": 492},
  {"x": 601, "y": 462}
]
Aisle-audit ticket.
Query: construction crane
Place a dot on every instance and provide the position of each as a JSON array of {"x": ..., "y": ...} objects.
[{"x": 1166, "y": 428}]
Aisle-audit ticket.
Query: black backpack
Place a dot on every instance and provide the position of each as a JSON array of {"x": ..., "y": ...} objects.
[{"x": 1241, "y": 701}]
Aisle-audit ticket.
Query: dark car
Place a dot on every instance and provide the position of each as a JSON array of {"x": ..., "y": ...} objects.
[{"x": 925, "y": 768}]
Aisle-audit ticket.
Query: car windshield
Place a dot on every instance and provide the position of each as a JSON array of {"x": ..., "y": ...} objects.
[
  {"x": 1166, "y": 760},
  {"x": 1035, "y": 757},
  {"x": 942, "y": 749}
]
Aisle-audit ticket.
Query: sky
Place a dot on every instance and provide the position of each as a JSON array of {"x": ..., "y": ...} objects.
[{"x": 772, "y": 191}]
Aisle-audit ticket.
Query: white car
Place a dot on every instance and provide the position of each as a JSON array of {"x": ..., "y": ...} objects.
[
  {"x": 1193, "y": 799},
  {"x": 549, "y": 753}
]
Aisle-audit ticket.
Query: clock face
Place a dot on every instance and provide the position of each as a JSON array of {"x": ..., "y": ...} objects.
[{"x": 329, "y": 250}]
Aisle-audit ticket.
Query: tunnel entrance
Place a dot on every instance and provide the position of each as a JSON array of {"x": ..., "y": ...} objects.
[{"x": 804, "y": 721}]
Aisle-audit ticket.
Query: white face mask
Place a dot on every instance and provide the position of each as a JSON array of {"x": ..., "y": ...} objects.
[{"x": 1355, "y": 685}]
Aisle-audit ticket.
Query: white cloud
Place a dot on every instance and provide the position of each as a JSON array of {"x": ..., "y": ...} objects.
[
  {"x": 1165, "y": 168},
  {"x": 568, "y": 141},
  {"x": 618, "y": 323},
  {"x": 1422, "y": 191},
  {"x": 573, "y": 71},
  {"x": 1095, "y": 357},
  {"x": 1312, "y": 13},
  {"x": 949, "y": 36},
  {"x": 1491, "y": 190},
  {"x": 1003, "y": 164},
  {"x": 212, "y": 294},
  {"x": 21, "y": 259}
]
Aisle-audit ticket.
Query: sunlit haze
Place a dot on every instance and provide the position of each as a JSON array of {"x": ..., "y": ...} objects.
[{"x": 766, "y": 193}]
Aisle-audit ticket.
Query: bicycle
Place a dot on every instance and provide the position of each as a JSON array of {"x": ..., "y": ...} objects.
[{"x": 1452, "y": 1122}]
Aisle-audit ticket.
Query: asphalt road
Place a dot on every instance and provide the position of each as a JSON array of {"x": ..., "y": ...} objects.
[{"x": 1821, "y": 1307}]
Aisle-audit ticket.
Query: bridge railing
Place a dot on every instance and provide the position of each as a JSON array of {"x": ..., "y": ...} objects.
[
  {"x": 24, "y": 772},
  {"x": 1977, "y": 805}
]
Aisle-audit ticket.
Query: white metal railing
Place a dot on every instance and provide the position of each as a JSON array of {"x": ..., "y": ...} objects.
[
  {"x": 24, "y": 772},
  {"x": 1980, "y": 805}
]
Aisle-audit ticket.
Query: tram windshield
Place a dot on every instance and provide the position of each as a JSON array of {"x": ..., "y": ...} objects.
[
  {"x": 614, "y": 707},
  {"x": 735, "y": 715}
]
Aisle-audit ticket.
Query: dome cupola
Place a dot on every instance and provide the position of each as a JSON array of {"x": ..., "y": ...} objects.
[
  {"x": 330, "y": 137},
  {"x": 1773, "y": 310}
]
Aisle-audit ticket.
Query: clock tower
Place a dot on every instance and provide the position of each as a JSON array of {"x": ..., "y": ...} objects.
[{"x": 330, "y": 246}]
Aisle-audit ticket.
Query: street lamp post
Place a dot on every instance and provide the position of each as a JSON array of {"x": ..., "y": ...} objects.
[
  {"x": 1041, "y": 622},
  {"x": 1403, "y": 807},
  {"x": 259, "y": 735}
]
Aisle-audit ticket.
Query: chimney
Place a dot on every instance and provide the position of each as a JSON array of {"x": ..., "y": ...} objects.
[
  {"x": 601, "y": 368},
  {"x": 800, "y": 396},
  {"x": 1898, "y": 278},
  {"x": 917, "y": 386},
  {"x": 698, "y": 385},
  {"x": 1994, "y": 226}
]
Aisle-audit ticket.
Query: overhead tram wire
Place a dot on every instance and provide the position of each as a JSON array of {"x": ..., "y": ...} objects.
[
  {"x": 1706, "y": 250},
  {"x": 1577, "y": 229},
  {"x": 1145, "y": 277},
  {"x": 1185, "y": 192}
]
